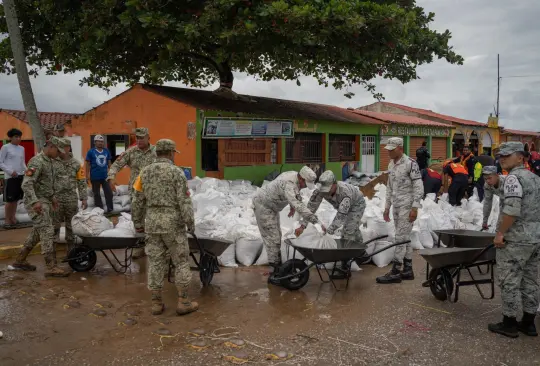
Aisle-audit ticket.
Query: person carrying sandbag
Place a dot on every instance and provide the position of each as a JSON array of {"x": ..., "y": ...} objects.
[{"x": 350, "y": 205}]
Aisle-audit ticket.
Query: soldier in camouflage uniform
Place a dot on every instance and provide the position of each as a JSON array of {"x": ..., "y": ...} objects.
[
  {"x": 136, "y": 158},
  {"x": 404, "y": 193},
  {"x": 162, "y": 208},
  {"x": 38, "y": 186},
  {"x": 494, "y": 186},
  {"x": 70, "y": 180},
  {"x": 350, "y": 205},
  {"x": 268, "y": 203},
  {"x": 518, "y": 244}
]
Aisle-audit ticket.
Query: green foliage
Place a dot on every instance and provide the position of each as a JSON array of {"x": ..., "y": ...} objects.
[{"x": 339, "y": 42}]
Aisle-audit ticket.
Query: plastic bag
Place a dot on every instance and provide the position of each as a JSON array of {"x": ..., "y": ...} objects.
[
  {"x": 247, "y": 250},
  {"x": 117, "y": 233},
  {"x": 23, "y": 218},
  {"x": 122, "y": 190},
  {"x": 383, "y": 258},
  {"x": 125, "y": 200},
  {"x": 227, "y": 259},
  {"x": 90, "y": 223},
  {"x": 263, "y": 258},
  {"x": 125, "y": 223},
  {"x": 415, "y": 239}
]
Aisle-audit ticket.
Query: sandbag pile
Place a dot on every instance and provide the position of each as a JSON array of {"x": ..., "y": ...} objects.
[
  {"x": 21, "y": 215},
  {"x": 121, "y": 199}
]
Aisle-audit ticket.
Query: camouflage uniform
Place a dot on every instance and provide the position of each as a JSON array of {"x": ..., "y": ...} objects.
[
  {"x": 270, "y": 201},
  {"x": 490, "y": 191},
  {"x": 162, "y": 206},
  {"x": 136, "y": 159},
  {"x": 69, "y": 181},
  {"x": 350, "y": 205},
  {"x": 404, "y": 191}
]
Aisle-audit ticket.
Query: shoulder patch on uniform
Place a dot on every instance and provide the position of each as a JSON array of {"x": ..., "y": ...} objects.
[
  {"x": 415, "y": 170},
  {"x": 81, "y": 173},
  {"x": 138, "y": 184},
  {"x": 512, "y": 187}
]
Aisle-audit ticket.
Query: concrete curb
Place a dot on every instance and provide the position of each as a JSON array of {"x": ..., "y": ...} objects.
[{"x": 11, "y": 251}]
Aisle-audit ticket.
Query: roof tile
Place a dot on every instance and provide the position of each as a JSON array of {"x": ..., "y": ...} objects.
[
  {"x": 401, "y": 119},
  {"x": 47, "y": 119},
  {"x": 445, "y": 117}
]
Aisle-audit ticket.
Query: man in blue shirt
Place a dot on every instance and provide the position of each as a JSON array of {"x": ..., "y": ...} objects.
[{"x": 98, "y": 162}]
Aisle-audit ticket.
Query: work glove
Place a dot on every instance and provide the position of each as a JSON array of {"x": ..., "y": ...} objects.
[
  {"x": 299, "y": 231},
  {"x": 485, "y": 226}
]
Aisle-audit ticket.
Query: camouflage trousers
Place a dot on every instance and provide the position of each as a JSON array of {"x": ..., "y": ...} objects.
[
  {"x": 351, "y": 235},
  {"x": 270, "y": 229},
  {"x": 67, "y": 208},
  {"x": 403, "y": 233},
  {"x": 158, "y": 248},
  {"x": 137, "y": 252},
  {"x": 517, "y": 267},
  {"x": 42, "y": 230}
]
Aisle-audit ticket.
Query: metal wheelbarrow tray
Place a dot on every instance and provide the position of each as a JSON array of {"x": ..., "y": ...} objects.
[
  {"x": 294, "y": 273},
  {"x": 448, "y": 263},
  {"x": 207, "y": 264},
  {"x": 465, "y": 238},
  {"x": 83, "y": 258}
]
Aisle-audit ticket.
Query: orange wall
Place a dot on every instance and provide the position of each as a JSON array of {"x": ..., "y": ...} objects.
[
  {"x": 7, "y": 122},
  {"x": 164, "y": 118}
]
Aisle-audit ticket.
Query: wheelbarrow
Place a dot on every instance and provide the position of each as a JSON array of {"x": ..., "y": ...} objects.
[
  {"x": 294, "y": 273},
  {"x": 465, "y": 249},
  {"x": 83, "y": 257}
]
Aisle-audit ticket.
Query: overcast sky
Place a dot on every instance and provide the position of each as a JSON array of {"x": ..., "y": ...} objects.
[{"x": 480, "y": 28}]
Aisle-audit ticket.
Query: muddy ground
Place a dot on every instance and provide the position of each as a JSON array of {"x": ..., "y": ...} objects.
[{"x": 366, "y": 324}]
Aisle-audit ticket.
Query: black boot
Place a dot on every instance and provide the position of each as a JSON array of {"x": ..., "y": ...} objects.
[
  {"x": 508, "y": 327},
  {"x": 526, "y": 325},
  {"x": 394, "y": 276},
  {"x": 275, "y": 273},
  {"x": 407, "y": 273}
]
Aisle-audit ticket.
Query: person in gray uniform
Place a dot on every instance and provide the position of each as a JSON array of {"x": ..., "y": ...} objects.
[{"x": 493, "y": 187}]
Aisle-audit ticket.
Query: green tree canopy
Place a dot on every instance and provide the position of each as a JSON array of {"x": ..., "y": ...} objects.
[{"x": 339, "y": 42}]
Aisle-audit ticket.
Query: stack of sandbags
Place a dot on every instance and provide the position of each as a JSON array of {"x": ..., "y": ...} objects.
[{"x": 121, "y": 199}]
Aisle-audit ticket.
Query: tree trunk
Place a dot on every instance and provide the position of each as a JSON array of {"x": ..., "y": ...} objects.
[
  {"x": 17, "y": 48},
  {"x": 226, "y": 80}
]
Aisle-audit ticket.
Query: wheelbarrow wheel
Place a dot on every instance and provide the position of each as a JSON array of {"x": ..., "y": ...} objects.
[
  {"x": 206, "y": 269},
  {"x": 82, "y": 259},
  {"x": 293, "y": 266},
  {"x": 442, "y": 284}
]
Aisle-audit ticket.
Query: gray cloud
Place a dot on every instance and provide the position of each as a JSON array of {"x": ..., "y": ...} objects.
[{"x": 480, "y": 28}]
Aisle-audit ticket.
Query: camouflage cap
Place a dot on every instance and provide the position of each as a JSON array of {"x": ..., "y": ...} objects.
[
  {"x": 56, "y": 141},
  {"x": 489, "y": 169},
  {"x": 67, "y": 141},
  {"x": 166, "y": 145},
  {"x": 508, "y": 148},
  {"x": 326, "y": 180},
  {"x": 394, "y": 142},
  {"x": 308, "y": 174},
  {"x": 59, "y": 127},
  {"x": 141, "y": 131}
]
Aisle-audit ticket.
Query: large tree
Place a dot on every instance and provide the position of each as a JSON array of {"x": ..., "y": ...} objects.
[{"x": 339, "y": 42}]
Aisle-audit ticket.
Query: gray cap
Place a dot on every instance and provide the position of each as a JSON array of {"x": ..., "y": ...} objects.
[
  {"x": 308, "y": 174},
  {"x": 508, "y": 148},
  {"x": 326, "y": 180},
  {"x": 166, "y": 145},
  {"x": 59, "y": 127},
  {"x": 394, "y": 142},
  {"x": 489, "y": 169}
]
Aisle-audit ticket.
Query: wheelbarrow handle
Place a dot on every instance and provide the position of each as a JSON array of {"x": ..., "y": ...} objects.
[
  {"x": 375, "y": 239},
  {"x": 197, "y": 241},
  {"x": 385, "y": 248},
  {"x": 490, "y": 246}
]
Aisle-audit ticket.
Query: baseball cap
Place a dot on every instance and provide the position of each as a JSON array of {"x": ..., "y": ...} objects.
[
  {"x": 326, "y": 181},
  {"x": 489, "y": 169},
  {"x": 308, "y": 174},
  {"x": 511, "y": 147},
  {"x": 141, "y": 131},
  {"x": 166, "y": 145},
  {"x": 99, "y": 138},
  {"x": 394, "y": 142},
  {"x": 59, "y": 127}
]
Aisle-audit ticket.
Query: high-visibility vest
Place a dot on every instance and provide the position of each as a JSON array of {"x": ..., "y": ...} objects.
[
  {"x": 458, "y": 169},
  {"x": 433, "y": 174},
  {"x": 527, "y": 166}
]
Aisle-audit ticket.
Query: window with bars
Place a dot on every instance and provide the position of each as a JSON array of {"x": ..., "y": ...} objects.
[
  {"x": 304, "y": 148},
  {"x": 368, "y": 145},
  {"x": 342, "y": 148}
]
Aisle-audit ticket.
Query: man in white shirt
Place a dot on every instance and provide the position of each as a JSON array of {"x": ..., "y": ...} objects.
[{"x": 13, "y": 164}]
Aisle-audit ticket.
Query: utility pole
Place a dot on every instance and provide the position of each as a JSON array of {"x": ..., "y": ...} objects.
[
  {"x": 498, "y": 87},
  {"x": 25, "y": 87}
]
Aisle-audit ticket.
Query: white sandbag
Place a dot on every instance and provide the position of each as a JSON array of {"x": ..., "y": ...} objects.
[
  {"x": 125, "y": 200},
  {"x": 117, "y": 208},
  {"x": 2, "y": 213},
  {"x": 2, "y": 200},
  {"x": 117, "y": 233},
  {"x": 247, "y": 250},
  {"x": 383, "y": 258},
  {"x": 227, "y": 259},
  {"x": 263, "y": 258},
  {"x": 90, "y": 202},
  {"x": 425, "y": 233},
  {"x": 21, "y": 209},
  {"x": 117, "y": 200},
  {"x": 90, "y": 223},
  {"x": 122, "y": 190},
  {"x": 194, "y": 184},
  {"x": 415, "y": 239},
  {"x": 126, "y": 208},
  {"x": 125, "y": 223},
  {"x": 23, "y": 218}
]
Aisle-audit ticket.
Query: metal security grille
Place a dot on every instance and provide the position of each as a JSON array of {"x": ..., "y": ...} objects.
[
  {"x": 368, "y": 145},
  {"x": 342, "y": 148},
  {"x": 304, "y": 148}
]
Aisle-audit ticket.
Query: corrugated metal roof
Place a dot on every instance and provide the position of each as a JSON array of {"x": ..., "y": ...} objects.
[
  {"x": 47, "y": 119},
  {"x": 430, "y": 113},
  {"x": 262, "y": 106},
  {"x": 401, "y": 119}
]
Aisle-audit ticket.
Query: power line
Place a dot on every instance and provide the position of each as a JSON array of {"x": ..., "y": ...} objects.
[{"x": 520, "y": 76}]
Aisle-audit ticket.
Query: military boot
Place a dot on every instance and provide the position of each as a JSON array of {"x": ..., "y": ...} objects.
[
  {"x": 508, "y": 327},
  {"x": 138, "y": 253},
  {"x": 52, "y": 270},
  {"x": 526, "y": 325},
  {"x": 157, "y": 303},
  {"x": 407, "y": 273},
  {"x": 185, "y": 305},
  {"x": 394, "y": 276},
  {"x": 272, "y": 276},
  {"x": 21, "y": 263}
]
